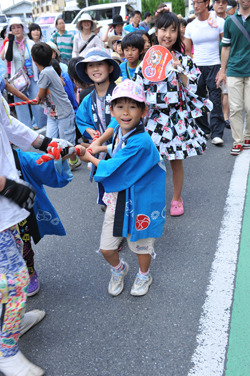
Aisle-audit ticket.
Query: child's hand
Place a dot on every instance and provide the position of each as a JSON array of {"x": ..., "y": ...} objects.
[
  {"x": 38, "y": 100},
  {"x": 94, "y": 148},
  {"x": 91, "y": 132},
  {"x": 85, "y": 157},
  {"x": 81, "y": 149},
  {"x": 33, "y": 103},
  {"x": 176, "y": 62}
]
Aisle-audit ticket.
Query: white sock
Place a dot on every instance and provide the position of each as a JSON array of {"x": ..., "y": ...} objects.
[{"x": 142, "y": 273}]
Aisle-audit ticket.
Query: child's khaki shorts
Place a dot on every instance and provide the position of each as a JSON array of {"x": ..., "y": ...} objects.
[{"x": 109, "y": 242}]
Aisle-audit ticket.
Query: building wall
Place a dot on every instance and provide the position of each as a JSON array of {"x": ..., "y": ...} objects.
[
  {"x": 21, "y": 10},
  {"x": 47, "y": 6}
]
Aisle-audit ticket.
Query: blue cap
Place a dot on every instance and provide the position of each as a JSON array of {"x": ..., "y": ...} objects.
[{"x": 95, "y": 55}]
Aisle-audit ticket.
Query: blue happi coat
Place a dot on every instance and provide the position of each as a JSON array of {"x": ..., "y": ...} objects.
[
  {"x": 87, "y": 117},
  {"x": 139, "y": 175},
  {"x": 53, "y": 174}
]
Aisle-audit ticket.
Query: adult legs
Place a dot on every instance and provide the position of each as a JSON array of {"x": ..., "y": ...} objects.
[
  {"x": 37, "y": 110},
  {"x": 23, "y": 112},
  {"x": 217, "y": 122},
  {"x": 236, "y": 96},
  {"x": 202, "y": 121},
  {"x": 247, "y": 106}
]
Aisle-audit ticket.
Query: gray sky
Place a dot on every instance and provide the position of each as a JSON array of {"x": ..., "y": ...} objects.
[{"x": 8, "y": 3}]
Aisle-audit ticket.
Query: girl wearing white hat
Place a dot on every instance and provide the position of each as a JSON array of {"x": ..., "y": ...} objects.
[
  {"x": 17, "y": 51},
  {"x": 86, "y": 38}
]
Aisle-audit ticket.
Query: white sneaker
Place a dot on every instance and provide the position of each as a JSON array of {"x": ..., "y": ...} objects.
[
  {"x": 116, "y": 283},
  {"x": 141, "y": 284},
  {"x": 30, "y": 319},
  {"x": 18, "y": 365},
  {"x": 217, "y": 141}
]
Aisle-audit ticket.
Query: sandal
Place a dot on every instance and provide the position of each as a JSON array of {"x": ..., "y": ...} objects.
[{"x": 177, "y": 208}]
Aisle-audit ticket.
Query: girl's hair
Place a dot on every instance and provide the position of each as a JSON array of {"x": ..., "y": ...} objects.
[
  {"x": 166, "y": 19},
  {"x": 32, "y": 27},
  {"x": 144, "y": 32},
  {"x": 133, "y": 40},
  {"x": 55, "y": 64},
  {"x": 183, "y": 21},
  {"x": 72, "y": 70}
]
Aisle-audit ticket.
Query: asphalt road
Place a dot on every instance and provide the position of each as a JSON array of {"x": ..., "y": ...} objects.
[{"x": 89, "y": 333}]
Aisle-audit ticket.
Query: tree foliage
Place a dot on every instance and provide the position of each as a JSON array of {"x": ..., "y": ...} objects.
[{"x": 179, "y": 7}]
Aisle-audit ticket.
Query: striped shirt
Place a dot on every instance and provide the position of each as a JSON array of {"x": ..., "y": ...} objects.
[{"x": 65, "y": 45}]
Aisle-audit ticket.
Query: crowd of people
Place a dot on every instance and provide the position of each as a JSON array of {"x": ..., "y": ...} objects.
[{"x": 91, "y": 93}]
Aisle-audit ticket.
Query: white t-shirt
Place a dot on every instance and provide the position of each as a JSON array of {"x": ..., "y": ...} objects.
[
  {"x": 206, "y": 40},
  {"x": 22, "y": 136}
]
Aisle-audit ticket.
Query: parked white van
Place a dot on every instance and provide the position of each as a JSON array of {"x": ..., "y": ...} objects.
[{"x": 103, "y": 14}]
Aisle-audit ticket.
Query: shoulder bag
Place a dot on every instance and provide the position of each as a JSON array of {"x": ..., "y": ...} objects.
[
  {"x": 88, "y": 41},
  {"x": 241, "y": 27}
]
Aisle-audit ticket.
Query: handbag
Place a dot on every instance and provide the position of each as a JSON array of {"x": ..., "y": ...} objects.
[
  {"x": 241, "y": 27},
  {"x": 20, "y": 80}
]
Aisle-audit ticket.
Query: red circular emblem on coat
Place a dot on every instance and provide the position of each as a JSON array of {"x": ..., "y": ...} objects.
[{"x": 142, "y": 222}]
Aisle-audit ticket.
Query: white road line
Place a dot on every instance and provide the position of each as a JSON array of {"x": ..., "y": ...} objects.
[{"x": 212, "y": 339}]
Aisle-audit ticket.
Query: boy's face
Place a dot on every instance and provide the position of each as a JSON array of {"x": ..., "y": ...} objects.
[
  {"x": 127, "y": 114},
  {"x": 99, "y": 71},
  {"x": 118, "y": 29},
  {"x": 131, "y": 54},
  {"x": 136, "y": 20}
]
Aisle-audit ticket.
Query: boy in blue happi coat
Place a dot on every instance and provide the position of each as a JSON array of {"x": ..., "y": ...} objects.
[{"x": 134, "y": 183}]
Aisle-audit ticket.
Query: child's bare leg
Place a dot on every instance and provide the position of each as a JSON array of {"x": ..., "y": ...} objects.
[
  {"x": 178, "y": 178},
  {"x": 112, "y": 257},
  {"x": 144, "y": 261}
]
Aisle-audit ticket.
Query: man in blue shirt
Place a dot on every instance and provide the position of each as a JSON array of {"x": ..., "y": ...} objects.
[{"x": 135, "y": 25}]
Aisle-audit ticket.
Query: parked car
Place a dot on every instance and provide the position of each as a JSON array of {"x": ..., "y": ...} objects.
[
  {"x": 47, "y": 23},
  {"x": 103, "y": 14}
]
